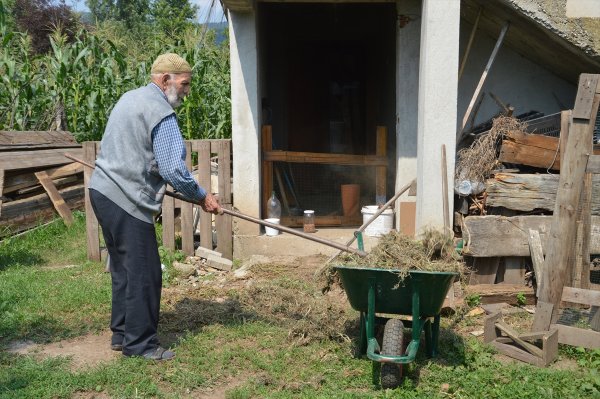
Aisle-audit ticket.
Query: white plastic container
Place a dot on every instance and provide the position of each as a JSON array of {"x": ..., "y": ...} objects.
[
  {"x": 269, "y": 230},
  {"x": 380, "y": 226}
]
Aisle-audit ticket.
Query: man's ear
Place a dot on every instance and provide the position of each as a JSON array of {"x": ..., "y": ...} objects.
[{"x": 164, "y": 79}]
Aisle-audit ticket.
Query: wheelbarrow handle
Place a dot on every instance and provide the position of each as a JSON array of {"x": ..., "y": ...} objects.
[{"x": 249, "y": 218}]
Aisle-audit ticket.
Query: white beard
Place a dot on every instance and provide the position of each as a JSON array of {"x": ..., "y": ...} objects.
[{"x": 172, "y": 96}]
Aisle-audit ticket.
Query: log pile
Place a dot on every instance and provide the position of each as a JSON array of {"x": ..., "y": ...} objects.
[{"x": 37, "y": 180}]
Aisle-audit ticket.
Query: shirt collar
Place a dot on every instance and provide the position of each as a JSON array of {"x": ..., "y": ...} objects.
[{"x": 159, "y": 89}]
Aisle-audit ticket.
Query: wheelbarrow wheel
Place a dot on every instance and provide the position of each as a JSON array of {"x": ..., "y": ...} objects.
[{"x": 393, "y": 339}]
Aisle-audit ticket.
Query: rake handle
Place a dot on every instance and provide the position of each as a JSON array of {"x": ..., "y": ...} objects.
[{"x": 253, "y": 219}]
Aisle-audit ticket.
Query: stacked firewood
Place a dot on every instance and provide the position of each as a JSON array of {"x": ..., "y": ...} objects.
[{"x": 36, "y": 180}]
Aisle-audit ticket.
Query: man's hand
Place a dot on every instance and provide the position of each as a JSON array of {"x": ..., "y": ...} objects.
[{"x": 211, "y": 205}]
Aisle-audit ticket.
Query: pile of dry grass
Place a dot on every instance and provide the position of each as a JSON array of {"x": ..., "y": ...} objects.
[
  {"x": 477, "y": 162},
  {"x": 398, "y": 252}
]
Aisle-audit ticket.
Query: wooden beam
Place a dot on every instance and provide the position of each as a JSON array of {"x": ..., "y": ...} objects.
[
  {"x": 58, "y": 201},
  {"x": 24, "y": 140},
  {"x": 581, "y": 296},
  {"x": 531, "y": 149},
  {"x": 593, "y": 164},
  {"x": 323, "y": 158},
  {"x": 204, "y": 172},
  {"x": 469, "y": 44},
  {"x": 563, "y": 228},
  {"x": 16, "y": 181},
  {"x": 537, "y": 255},
  {"x": 224, "y": 222},
  {"x": 528, "y": 192},
  {"x": 187, "y": 212},
  {"x": 484, "y": 270},
  {"x": 37, "y": 159},
  {"x": 483, "y": 78},
  {"x": 267, "y": 167},
  {"x": 381, "y": 171},
  {"x": 508, "y": 236},
  {"x": 577, "y": 336},
  {"x": 498, "y": 293}
]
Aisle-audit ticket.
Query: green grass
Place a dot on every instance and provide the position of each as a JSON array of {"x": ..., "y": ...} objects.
[{"x": 252, "y": 358}]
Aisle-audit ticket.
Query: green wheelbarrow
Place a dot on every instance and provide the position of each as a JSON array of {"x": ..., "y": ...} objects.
[{"x": 374, "y": 291}]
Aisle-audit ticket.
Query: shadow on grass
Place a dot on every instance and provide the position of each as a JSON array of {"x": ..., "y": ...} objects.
[
  {"x": 12, "y": 257},
  {"x": 191, "y": 315}
]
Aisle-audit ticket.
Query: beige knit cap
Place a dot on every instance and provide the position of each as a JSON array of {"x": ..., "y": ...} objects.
[{"x": 170, "y": 63}]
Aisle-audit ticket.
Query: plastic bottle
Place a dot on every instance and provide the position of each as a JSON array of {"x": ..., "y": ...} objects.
[{"x": 273, "y": 207}]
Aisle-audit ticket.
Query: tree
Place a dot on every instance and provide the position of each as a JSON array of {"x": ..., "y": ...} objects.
[
  {"x": 39, "y": 18},
  {"x": 173, "y": 16},
  {"x": 131, "y": 12}
]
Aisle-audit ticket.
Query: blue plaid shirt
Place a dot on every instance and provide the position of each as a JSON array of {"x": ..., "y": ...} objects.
[{"x": 169, "y": 151}]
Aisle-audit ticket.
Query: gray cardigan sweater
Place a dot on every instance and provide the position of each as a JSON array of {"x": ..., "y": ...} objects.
[{"x": 126, "y": 171}]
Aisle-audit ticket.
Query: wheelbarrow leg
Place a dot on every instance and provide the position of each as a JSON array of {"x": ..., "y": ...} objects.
[
  {"x": 362, "y": 338},
  {"x": 428, "y": 340},
  {"x": 435, "y": 336}
]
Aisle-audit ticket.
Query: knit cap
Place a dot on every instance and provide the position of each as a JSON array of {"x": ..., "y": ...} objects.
[{"x": 170, "y": 63}]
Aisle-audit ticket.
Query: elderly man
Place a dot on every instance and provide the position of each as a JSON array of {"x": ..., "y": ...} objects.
[{"x": 142, "y": 149}]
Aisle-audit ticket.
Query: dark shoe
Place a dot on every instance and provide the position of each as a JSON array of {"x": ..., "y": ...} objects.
[
  {"x": 159, "y": 353},
  {"x": 116, "y": 347}
]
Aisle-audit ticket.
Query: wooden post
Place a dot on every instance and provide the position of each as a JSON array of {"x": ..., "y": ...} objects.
[
  {"x": 1, "y": 188},
  {"x": 537, "y": 256},
  {"x": 224, "y": 233},
  {"x": 204, "y": 171},
  {"x": 187, "y": 212},
  {"x": 565, "y": 123},
  {"x": 381, "y": 171},
  {"x": 483, "y": 78},
  {"x": 267, "y": 167},
  {"x": 168, "y": 221},
  {"x": 468, "y": 49},
  {"x": 91, "y": 223},
  {"x": 572, "y": 173},
  {"x": 57, "y": 200}
]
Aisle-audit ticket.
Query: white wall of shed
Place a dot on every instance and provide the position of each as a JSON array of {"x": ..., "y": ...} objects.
[
  {"x": 437, "y": 112},
  {"x": 245, "y": 114},
  {"x": 407, "y": 94}
]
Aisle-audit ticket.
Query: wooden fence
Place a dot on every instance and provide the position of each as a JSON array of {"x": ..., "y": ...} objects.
[{"x": 202, "y": 151}]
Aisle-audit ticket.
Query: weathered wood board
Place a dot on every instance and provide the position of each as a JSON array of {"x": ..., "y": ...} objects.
[
  {"x": 527, "y": 192},
  {"x": 508, "y": 236},
  {"x": 498, "y": 293},
  {"x": 12, "y": 160},
  {"x": 24, "y": 140},
  {"x": 532, "y": 150}
]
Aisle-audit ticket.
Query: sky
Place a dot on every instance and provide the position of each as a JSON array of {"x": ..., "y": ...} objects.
[{"x": 205, "y": 13}]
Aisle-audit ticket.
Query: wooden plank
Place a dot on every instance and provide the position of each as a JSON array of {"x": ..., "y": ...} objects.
[
  {"x": 483, "y": 77},
  {"x": 577, "y": 336},
  {"x": 28, "y": 213},
  {"x": 203, "y": 176},
  {"x": 380, "y": 171},
  {"x": 408, "y": 214},
  {"x": 593, "y": 164},
  {"x": 528, "y": 192},
  {"x": 267, "y": 168},
  {"x": 498, "y": 293},
  {"x": 531, "y": 150},
  {"x": 168, "y": 221},
  {"x": 563, "y": 227},
  {"x": 1, "y": 188},
  {"x": 15, "y": 181},
  {"x": 324, "y": 158},
  {"x": 584, "y": 102},
  {"x": 36, "y": 159},
  {"x": 534, "y": 350},
  {"x": 23, "y": 140},
  {"x": 565, "y": 124},
  {"x": 224, "y": 222},
  {"x": 323, "y": 221},
  {"x": 58, "y": 202},
  {"x": 514, "y": 270},
  {"x": 469, "y": 44},
  {"x": 582, "y": 296},
  {"x": 543, "y": 312},
  {"x": 91, "y": 222},
  {"x": 495, "y": 235},
  {"x": 484, "y": 271},
  {"x": 537, "y": 255},
  {"x": 187, "y": 212}
]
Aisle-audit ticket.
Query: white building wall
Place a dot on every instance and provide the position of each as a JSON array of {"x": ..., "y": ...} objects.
[
  {"x": 438, "y": 75},
  {"x": 245, "y": 113}
]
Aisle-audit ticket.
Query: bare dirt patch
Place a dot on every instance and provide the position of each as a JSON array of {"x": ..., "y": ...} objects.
[{"x": 85, "y": 352}]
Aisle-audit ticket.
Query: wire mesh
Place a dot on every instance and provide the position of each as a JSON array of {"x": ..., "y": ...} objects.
[{"x": 301, "y": 186}]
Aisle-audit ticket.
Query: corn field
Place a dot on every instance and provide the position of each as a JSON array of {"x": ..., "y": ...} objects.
[{"x": 75, "y": 86}]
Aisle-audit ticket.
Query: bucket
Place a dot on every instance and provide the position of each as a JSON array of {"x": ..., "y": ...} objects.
[
  {"x": 350, "y": 198},
  {"x": 269, "y": 230},
  {"x": 380, "y": 226}
]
